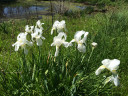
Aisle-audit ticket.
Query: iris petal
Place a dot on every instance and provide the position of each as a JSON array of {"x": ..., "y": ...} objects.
[
  {"x": 100, "y": 69},
  {"x": 81, "y": 48}
]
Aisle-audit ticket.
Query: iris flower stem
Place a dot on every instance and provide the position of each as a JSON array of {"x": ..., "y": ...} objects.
[
  {"x": 39, "y": 55},
  {"x": 33, "y": 74},
  {"x": 76, "y": 53},
  {"x": 90, "y": 54},
  {"x": 83, "y": 58},
  {"x": 40, "y": 58},
  {"x": 90, "y": 57},
  {"x": 24, "y": 66},
  {"x": 59, "y": 57},
  {"x": 24, "y": 61},
  {"x": 34, "y": 67}
]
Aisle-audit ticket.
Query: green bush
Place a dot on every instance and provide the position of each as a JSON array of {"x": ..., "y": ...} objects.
[
  {"x": 6, "y": 1},
  {"x": 97, "y": 1}
]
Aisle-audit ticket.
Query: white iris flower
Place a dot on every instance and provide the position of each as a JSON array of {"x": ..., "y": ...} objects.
[
  {"x": 111, "y": 65},
  {"x": 59, "y": 26},
  {"x": 112, "y": 78},
  {"x": 37, "y": 35},
  {"x": 39, "y": 25},
  {"x": 80, "y": 40},
  {"x": 29, "y": 29},
  {"x": 22, "y": 42},
  {"x": 58, "y": 41},
  {"x": 94, "y": 44}
]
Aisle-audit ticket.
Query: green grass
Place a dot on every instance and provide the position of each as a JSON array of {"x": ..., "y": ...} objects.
[{"x": 70, "y": 74}]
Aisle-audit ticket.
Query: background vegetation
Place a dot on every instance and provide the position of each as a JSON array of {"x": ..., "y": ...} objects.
[{"x": 72, "y": 73}]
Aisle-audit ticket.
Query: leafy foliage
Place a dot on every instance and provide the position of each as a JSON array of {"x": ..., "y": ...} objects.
[{"x": 72, "y": 73}]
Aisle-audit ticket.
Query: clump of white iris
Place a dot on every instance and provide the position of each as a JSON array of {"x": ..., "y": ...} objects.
[
  {"x": 111, "y": 65},
  {"x": 80, "y": 41},
  {"x": 58, "y": 41},
  {"x": 22, "y": 42},
  {"x": 59, "y": 26}
]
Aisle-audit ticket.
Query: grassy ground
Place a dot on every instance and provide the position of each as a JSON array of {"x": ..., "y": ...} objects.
[{"x": 72, "y": 73}]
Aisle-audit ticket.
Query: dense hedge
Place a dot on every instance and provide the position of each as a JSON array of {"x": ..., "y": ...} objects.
[
  {"x": 99, "y": 1},
  {"x": 7, "y": 1}
]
